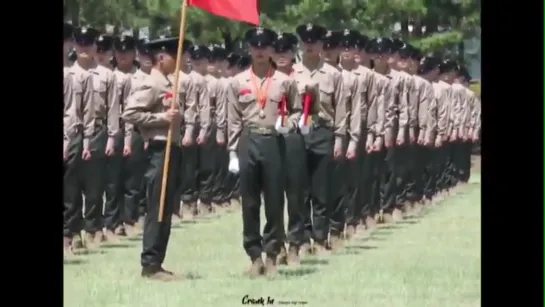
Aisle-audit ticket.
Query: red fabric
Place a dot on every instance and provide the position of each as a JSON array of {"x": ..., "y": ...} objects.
[
  {"x": 242, "y": 10},
  {"x": 306, "y": 107},
  {"x": 244, "y": 91}
]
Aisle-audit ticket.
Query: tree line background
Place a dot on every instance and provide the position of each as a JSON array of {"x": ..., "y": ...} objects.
[{"x": 432, "y": 25}]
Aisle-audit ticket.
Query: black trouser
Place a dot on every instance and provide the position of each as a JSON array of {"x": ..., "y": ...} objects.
[
  {"x": 73, "y": 218},
  {"x": 231, "y": 184},
  {"x": 451, "y": 168},
  {"x": 441, "y": 160},
  {"x": 359, "y": 175},
  {"x": 134, "y": 167},
  {"x": 410, "y": 158},
  {"x": 296, "y": 181},
  {"x": 189, "y": 186},
  {"x": 319, "y": 152},
  {"x": 156, "y": 234},
  {"x": 114, "y": 184},
  {"x": 260, "y": 162},
  {"x": 389, "y": 178},
  {"x": 465, "y": 163},
  {"x": 423, "y": 173},
  {"x": 338, "y": 192},
  {"x": 93, "y": 183},
  {"x": 220, "y": 192},
  {"x": 208, "y": 167}
]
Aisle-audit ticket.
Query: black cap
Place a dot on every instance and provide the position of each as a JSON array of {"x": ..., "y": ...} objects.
[
  {"x": 463, "y": 72},
  {"x": 349, "y": 38},
  {"x": 113, "y": 61},
  {"x": 163, "y": 44},
  {"x": 232, "y": 59},
  {"x": 124, "y": 43},
  {"x": 199, "y": 52},
  {"x": 186, "y": 45},
  {"x": 310, "y": 33},
  {"x": 85, "y": 36},
  {"x": 104, "y": 43},
  {"x": 68, "y": 31},
  {"x": 362, "y": 41},
  {"x": 72, "y": 55},
  {"x": 260, "y": 37},
  {"x": 379, "y": 45},
  {"x": 332, "y": 39},
  {"x": 428, "y": 63},
  {"x": 244, "y": 61},
  {"x": 406, "y": 51},
  {"x": 416, "y": 55},
  {"x": 142, "y": 47},
  {"x": 448, "y": 66},
  {"x": 284, "y": 42},
  {"x": 396, "y": 45},
  {"x": 217, "y": 53}
]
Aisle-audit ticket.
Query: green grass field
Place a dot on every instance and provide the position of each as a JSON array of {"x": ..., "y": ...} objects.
[{"x": 432, "y": 259}]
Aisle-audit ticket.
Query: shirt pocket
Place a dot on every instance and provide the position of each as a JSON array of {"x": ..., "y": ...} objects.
[{"x": 326, "y": 95}]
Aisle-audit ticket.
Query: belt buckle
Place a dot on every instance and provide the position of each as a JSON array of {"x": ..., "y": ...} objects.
[{"x": 262, "y": 130}]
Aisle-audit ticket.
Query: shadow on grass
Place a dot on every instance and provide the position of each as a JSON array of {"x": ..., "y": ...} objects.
[
  {"x": 314, "y": 261},
  {"x": 360, "y": 247},
  {"x": 117, "y": 245},
  {"x": 74, "y": 261},
  {"x": 409, "y": 221},
  {"x": 89, "y": 252},
  {"x": 298, "y": 272},
  {"x": 135, "y": 239}
]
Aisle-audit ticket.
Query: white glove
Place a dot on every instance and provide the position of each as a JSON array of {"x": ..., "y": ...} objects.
[
  {"x": 278, "y": 126},
  {"x": 233, "y": 165},
  {"x": 305, "y": 129}
]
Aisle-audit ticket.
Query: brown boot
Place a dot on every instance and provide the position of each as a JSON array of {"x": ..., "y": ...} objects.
[
  {"x": 120, "y": 231},
  {"x": 131, "y": 231},
  {"x": 370, "y": 223},
  {"x": 89, "y": 241},
  {"x": 187, "y": 211},
  {"x": 407, "y": 207},
  {"x": 349, "y": 232},
  {"x": 175, "y": 219},
  {"x": 270, "y": 265},
  {"x": 140, "y": 224},
  {"x": 235, "y": 203},
  {"x": 417, "y": 207},
  {"x": 320, "y": 249},
  {"x": 305, "y": 249},
  {"x": 226, "y": 206},
  {"x": 98, "y": 237},
  {"x": 397, "y": 215},
  {"x": 293, "y": 256},
  {"x": 387, "y": 218},
  {"x": 67, "y": 246},
  {"x": 379, "y": 218},
  {"x": 217, "y": 207},
  {"x": 335, "y": 242},
  {"x": 77, "y": 242},
  {"x": 256, "y": 269},
  {"x": 205, "y": 208},
  {"x": 157, "y": 273},
  {"x": 110, "y": 236},
  {"x": 282, "y": 256}
]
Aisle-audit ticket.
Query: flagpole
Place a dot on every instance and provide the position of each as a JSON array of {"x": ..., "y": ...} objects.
[{"x": 173, "y": 105}]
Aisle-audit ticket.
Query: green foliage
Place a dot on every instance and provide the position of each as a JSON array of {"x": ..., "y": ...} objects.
[
  {"x": 438, "y": 41},
  {"x": 372, "y": 17}
]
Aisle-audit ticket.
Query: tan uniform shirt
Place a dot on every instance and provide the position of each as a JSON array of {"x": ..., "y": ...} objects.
[
  {"x": 328, "y": 109},
  {"x": 476, "y": 117},
  {"x": 467, "y": 109},
  {"x": 376, "y": 116},
  {"x": 83, "y": 96},
  {"x": 243, "y": 108},
  {"x": 75, "y": 108},
  {"x": 203, "y": 101},
  {"x": 427, "y": 108},
  {"x": 124, "y": 89},
  {"x": 146, "y": 106},
  {"x": 442, "y": 95},
  {"x": 412, "y": 99},
  {"x": 105, "y": 98},
  {"x": 457, "y": 101},
  {"x": 221, "y": 109},
  {"x": 366, "y": 80},
  {"x": 396, "y": 105},
  {"x": 352, "y": 100}
]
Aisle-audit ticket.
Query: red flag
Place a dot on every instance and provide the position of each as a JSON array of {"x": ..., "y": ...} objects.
[{"x": 243, "y": 10}]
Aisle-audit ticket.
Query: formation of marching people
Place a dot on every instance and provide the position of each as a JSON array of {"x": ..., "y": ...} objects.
[{"x": 359, "y": 132}]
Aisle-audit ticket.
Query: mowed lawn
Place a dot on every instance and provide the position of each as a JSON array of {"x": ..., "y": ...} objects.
[{"x": 432, "y": 259}]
